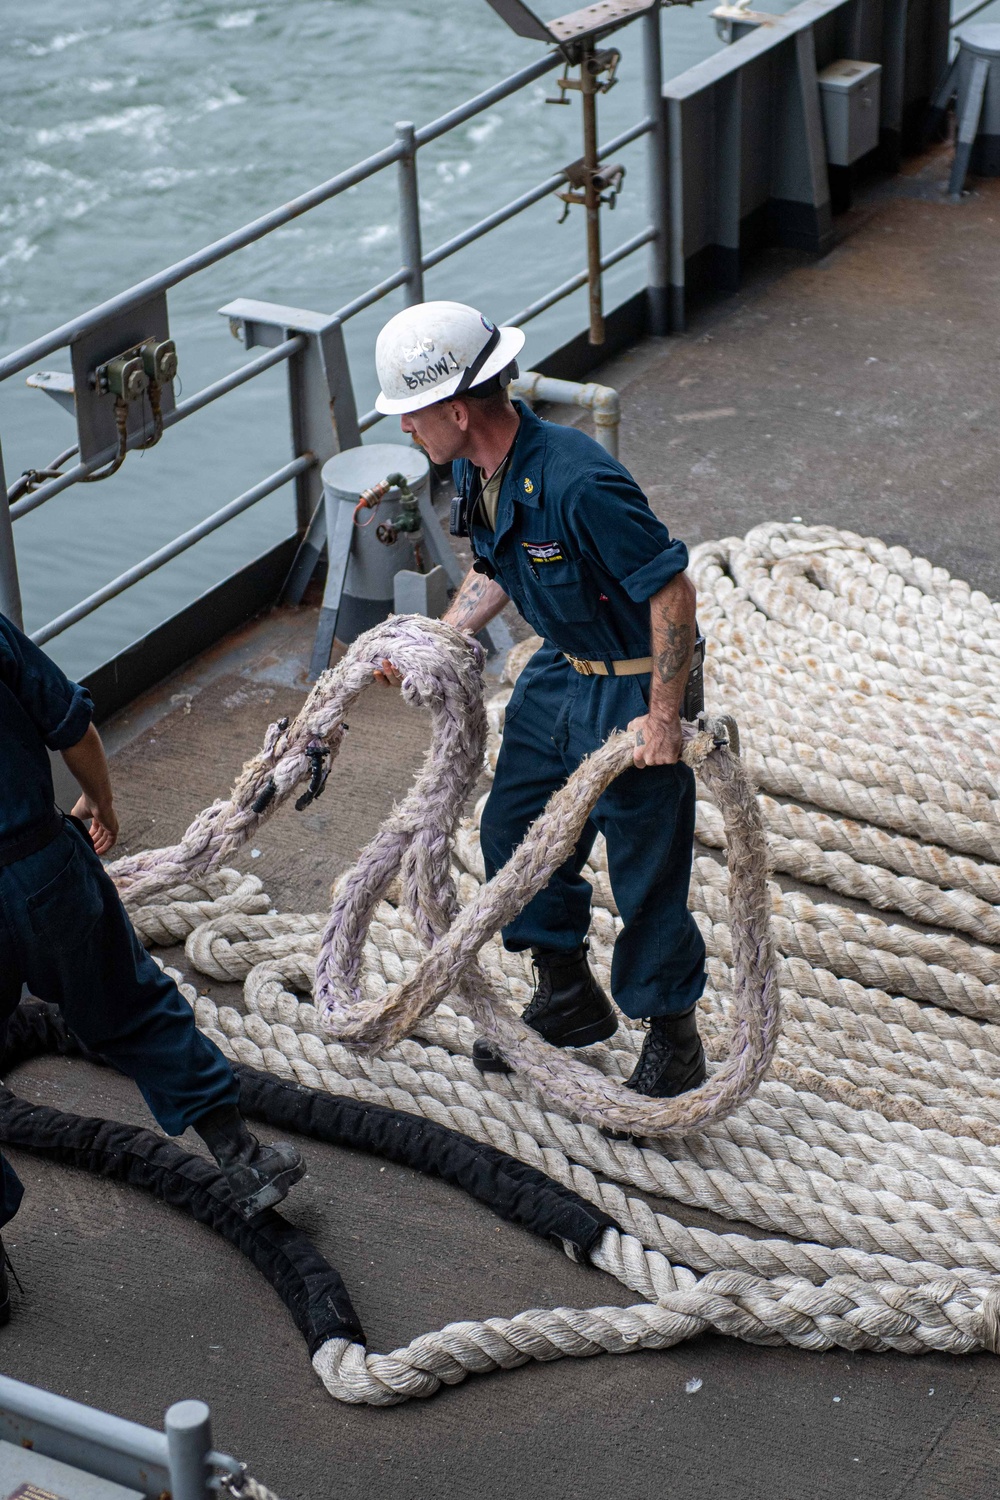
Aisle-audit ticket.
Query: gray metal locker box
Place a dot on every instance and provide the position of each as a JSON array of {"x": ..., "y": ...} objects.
[{"x": 850, "y": 94}]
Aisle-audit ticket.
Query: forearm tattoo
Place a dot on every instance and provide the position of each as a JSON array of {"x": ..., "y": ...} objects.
[
  {"x": 676, "y": 654},
  {"x": 468, "y": 601},
  {"x": 478, "y": 601}
]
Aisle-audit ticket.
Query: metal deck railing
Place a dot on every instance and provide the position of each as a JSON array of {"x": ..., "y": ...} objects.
[
  {"x": 179, "y": 1462},
  {"x": 720, "y": 177},
  {"x": 316, "y": 354}
]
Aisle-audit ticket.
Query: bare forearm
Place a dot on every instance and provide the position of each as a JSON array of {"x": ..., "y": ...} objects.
[
  {"x": 672, "y": 628},
  {"x": 478, "y": 601},
  {"x": 89, "y": 767}
]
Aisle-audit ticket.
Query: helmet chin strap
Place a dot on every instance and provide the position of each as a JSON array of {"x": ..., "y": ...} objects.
[{"x": 471, "y": 371}]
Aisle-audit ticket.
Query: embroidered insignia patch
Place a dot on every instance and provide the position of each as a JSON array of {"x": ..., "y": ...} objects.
[
  {"x": 544, "y": 552},
  {"x": 529, "y": 488}
]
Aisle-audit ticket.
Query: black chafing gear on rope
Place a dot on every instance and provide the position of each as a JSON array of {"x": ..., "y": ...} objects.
[
  {"x": 317, "y": 756},
  {"x": 264, "y": 797},
  {"x": 310, "y": 1288}
]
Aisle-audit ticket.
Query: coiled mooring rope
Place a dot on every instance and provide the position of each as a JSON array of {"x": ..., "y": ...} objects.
[
  {"x": 441, "y": 670},
  {"x": 866, "y": 682}
]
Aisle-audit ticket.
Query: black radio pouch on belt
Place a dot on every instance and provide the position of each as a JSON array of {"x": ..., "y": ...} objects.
[{"x": 694, "y": 692}]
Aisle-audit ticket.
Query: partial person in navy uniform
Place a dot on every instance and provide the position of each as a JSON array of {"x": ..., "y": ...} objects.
[
  {"x": 65, "y": 936},
  {"x": 561, "y": 528}
]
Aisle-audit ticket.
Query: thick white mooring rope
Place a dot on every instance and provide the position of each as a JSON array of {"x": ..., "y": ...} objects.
[
  {"x": 865, "y": 681},
  {"x": 441, "y": 669}
]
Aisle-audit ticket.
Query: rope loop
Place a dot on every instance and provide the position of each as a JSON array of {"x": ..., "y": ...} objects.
[{"x": 442, "y": 672}]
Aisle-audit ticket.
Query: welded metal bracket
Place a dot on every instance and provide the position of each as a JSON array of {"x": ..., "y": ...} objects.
[
  {"x": 94, "y": 400},
  {"x": 58, "y": 385},
  {"x": 577, "y": 26},
  {"x": 320, "y": 392}
]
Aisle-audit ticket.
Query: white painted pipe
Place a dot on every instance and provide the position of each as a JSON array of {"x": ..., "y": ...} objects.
[{"x": 599, "y": 399}]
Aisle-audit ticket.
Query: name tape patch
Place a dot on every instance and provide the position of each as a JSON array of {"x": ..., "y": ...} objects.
[{"x": 544, "y": 552}]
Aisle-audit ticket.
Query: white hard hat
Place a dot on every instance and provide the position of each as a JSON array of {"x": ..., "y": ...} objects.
[{"x": 439, "y": 349}]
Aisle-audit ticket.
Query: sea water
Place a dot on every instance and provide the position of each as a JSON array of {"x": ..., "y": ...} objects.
[{"x": 132, "y": 135}]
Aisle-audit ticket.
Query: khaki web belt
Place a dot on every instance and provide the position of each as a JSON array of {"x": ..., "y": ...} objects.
[{"x": 632, "y": 668}]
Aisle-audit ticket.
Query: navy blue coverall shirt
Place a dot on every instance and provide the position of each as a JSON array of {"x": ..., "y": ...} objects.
[
  {"x": 579, "y": 551},
  {"x": 63, "y": 930}
]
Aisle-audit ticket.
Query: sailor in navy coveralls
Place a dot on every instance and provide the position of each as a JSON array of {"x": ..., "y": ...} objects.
[
  {"x": 65, "y": 935},
  {"x": 561, "y": 529}
]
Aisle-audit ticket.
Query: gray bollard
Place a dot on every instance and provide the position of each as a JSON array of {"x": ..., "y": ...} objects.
[
  {"x": 188, "y": 1427},
  {"x": 361, "y": 569}
]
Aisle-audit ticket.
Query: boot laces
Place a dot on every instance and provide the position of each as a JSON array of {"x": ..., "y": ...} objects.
[
  {"x": 654, "y": 1057},
  {"x": 542, "y": 994}
]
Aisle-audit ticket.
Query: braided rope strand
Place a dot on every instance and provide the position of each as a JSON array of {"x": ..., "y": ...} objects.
[{"x": 865, "y": 682}]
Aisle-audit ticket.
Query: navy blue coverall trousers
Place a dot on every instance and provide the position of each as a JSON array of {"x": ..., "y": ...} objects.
[
  {"x": 63, "y": 930},
  {"x": 579, "y": 551}
]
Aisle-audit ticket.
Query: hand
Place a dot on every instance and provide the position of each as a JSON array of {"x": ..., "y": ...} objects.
[
  {"x": 103, "y": 824},
  {"x": 658, "y": 742},
  {"x": 388, "y": 676}
]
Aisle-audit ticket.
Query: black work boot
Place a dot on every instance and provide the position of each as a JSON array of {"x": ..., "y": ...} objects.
[
  {"x": 568, "y": 1008},
  {"x": 672, "y": 1059},
  {"x": 258, "y": 1176}
]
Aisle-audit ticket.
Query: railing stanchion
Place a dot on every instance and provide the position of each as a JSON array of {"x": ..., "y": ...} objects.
[
  {"x": 10, "y": 588},
  {"x": 410, "y": 247},
  {"x": 189, "y": 1442},
  {"x": 658, "y": 177},
  {"x": 323, "y": 412},
  {"x": 678, "y": 264}
]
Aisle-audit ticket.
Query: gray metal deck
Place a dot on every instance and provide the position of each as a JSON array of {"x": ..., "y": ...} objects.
[{"x": 860, "y": 389}]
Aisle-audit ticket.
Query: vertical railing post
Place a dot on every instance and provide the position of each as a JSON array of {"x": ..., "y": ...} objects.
[
  {"x": 189, "y": 1441},
  {"x": 675, "y": 161},
  {"x": 658, "y": 291},
  {"x": 10, "y": 588},
  {"x": 409, "y": 215},
  {"x": 591, "y": 192},
  {"x": 323, "y": 411}
]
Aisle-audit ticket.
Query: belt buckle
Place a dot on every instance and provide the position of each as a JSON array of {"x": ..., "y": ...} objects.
[{"x": 583, "y": 667}]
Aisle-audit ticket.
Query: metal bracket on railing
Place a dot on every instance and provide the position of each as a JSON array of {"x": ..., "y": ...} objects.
[
  {"x": 321, "y": 399},
  {"x": 118, "y": 395},
  {"x": 572, "y": 32},
  {"x": 607, "y": 181},
  {"x": 576, "y": 35},
  {"x": 129, "y": 358},
  {"x": 737, "y": 20},
  {"x": 590, "y": 184},
  {"x": 598, "y": 62}
]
